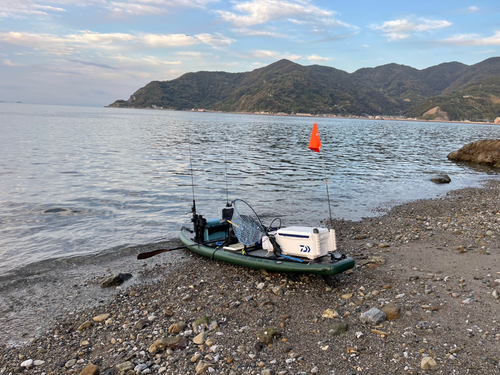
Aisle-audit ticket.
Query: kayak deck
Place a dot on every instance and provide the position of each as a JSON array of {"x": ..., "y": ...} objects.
[{"x": 262, "y": 259}]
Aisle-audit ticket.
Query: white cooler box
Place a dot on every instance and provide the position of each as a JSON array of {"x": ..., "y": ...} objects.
[{"x": 303, "y": 242}]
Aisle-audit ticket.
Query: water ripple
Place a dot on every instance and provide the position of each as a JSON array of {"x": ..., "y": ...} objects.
[{"x": 79, "y": 181}]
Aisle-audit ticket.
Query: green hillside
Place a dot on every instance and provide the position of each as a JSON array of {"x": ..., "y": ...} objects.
[
  {"x": 478, "y": 102},
  {"x": 463, "y": 92}
]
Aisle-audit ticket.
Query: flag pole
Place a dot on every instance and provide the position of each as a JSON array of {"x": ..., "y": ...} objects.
[
  {"x": 326, "y": 183},
  {"x": 315, "y": 145}
]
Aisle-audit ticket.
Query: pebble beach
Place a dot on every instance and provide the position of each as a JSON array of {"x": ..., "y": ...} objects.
[{"x": 423, "y": 298}]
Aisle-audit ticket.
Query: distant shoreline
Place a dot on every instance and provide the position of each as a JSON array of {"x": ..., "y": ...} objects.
[{"x": 306, "y": 115}]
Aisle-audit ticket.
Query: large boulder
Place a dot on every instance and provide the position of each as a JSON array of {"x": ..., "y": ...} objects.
[{"x": 485, "y": 152}]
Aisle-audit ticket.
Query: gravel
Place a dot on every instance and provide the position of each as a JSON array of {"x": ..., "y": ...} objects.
[{"x": 433, "y": 265}]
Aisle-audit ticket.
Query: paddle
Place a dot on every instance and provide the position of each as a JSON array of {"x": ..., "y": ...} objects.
[{"x": 150, "y": 254}]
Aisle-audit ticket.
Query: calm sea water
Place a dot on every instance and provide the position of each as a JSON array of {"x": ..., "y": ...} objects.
[{"x": 81, "y": 181}]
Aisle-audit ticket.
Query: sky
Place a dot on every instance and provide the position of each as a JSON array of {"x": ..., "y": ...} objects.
[{"x": 93, "y": 52}]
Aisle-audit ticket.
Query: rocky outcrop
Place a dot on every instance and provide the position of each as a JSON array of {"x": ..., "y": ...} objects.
[{"x": 485, "y": 152}]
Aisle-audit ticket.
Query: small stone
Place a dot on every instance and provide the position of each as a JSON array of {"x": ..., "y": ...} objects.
[
  {"x": 391, "y": 311},
  {"x": 90, "y": 370},
  {"x": 267, "y": 335},
  {"x": 70, "y": 363},
  {"x": 428, "y": 363},
  {"x": 139, "y": 368},
  {"x": 84, "y": 326},
  {"x": 330, "y": 314},
  {"x": 276, "y": 290},
  {"x": 125, "y": 366},
  {"x": 38, "y": 362},
  {"x": 201, "y": 367},
  {"x": 27, "y": 363},
  {"x": 115, "y": 280},
  {"x": 441, "y": 179},
  {"x": 480, "y": 242},
  {"x": 177, "y": 327},
  {"x": 100, "y": 318},
  {"x": 204, "y": 324},
  {"x": 195, "y": 357},
  {"x": 347, "y": 296},
  {"x": 339, "y": 328},
  {"x": 489, "y": 233},
  {"x": 267, "y": 372},
  {"x": 495, "y": 294},
  {"x": 141, "y": 324},
  {"x": 200, "y": 338},
  {"x": 373, "y": 316},
  {"x": 374, "y": 259},
  {"x": 158, "y": 345}
]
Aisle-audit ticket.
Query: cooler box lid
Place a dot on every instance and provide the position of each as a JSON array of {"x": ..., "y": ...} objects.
[{"x": 299, "y": 232}]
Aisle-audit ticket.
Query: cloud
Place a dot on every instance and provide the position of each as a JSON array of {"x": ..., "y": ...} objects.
[
  {"x": 89, "y": 40},
  {"x": 168, "y": 40},
  {"x": 250, "y": 32},
  {"x": 404, "y": 28},
  {"x": 40, "y": 42},
  {"x": 25, "y": 9},
  {"x": 133, "y": 61},
  {"x": 316, "y": 58},
  {"x": 468, "y": 10},
  {"x": 11, "y": 63},
  {"x": 151, "y": 7},
  {"x": 192, "y": 54},
  {"x": 88, "y": 63},
  {"x": 33, "y": 8},
  {"x": 135, "y": 9},
  {"x": 473, "y": 40},
  {"x": 274, "y": 55},
  {"x": 255, "y": 12},
  {"x": 217, "y": 40}
]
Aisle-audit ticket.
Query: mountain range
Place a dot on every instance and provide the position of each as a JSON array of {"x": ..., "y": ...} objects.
[{"x": 451, "y": 91}]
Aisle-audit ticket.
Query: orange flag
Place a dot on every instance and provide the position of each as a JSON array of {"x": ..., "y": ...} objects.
[{"x": 315, "y": 142}]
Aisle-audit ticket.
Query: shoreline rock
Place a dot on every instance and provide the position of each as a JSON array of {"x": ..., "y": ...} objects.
[{"x": 486, "y": 152}]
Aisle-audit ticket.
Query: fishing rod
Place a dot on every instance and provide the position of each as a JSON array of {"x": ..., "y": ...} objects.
[
  {"x": 193, "y": 209},
  {"x": 227, "y": 188},
  {"x": 198, "y": 221}
]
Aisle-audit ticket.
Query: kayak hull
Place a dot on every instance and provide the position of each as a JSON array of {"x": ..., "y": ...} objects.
[{"x": 323, "y": 266}]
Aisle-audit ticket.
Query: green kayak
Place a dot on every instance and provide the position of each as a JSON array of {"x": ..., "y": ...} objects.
[{"x": 329, "y": 265}]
